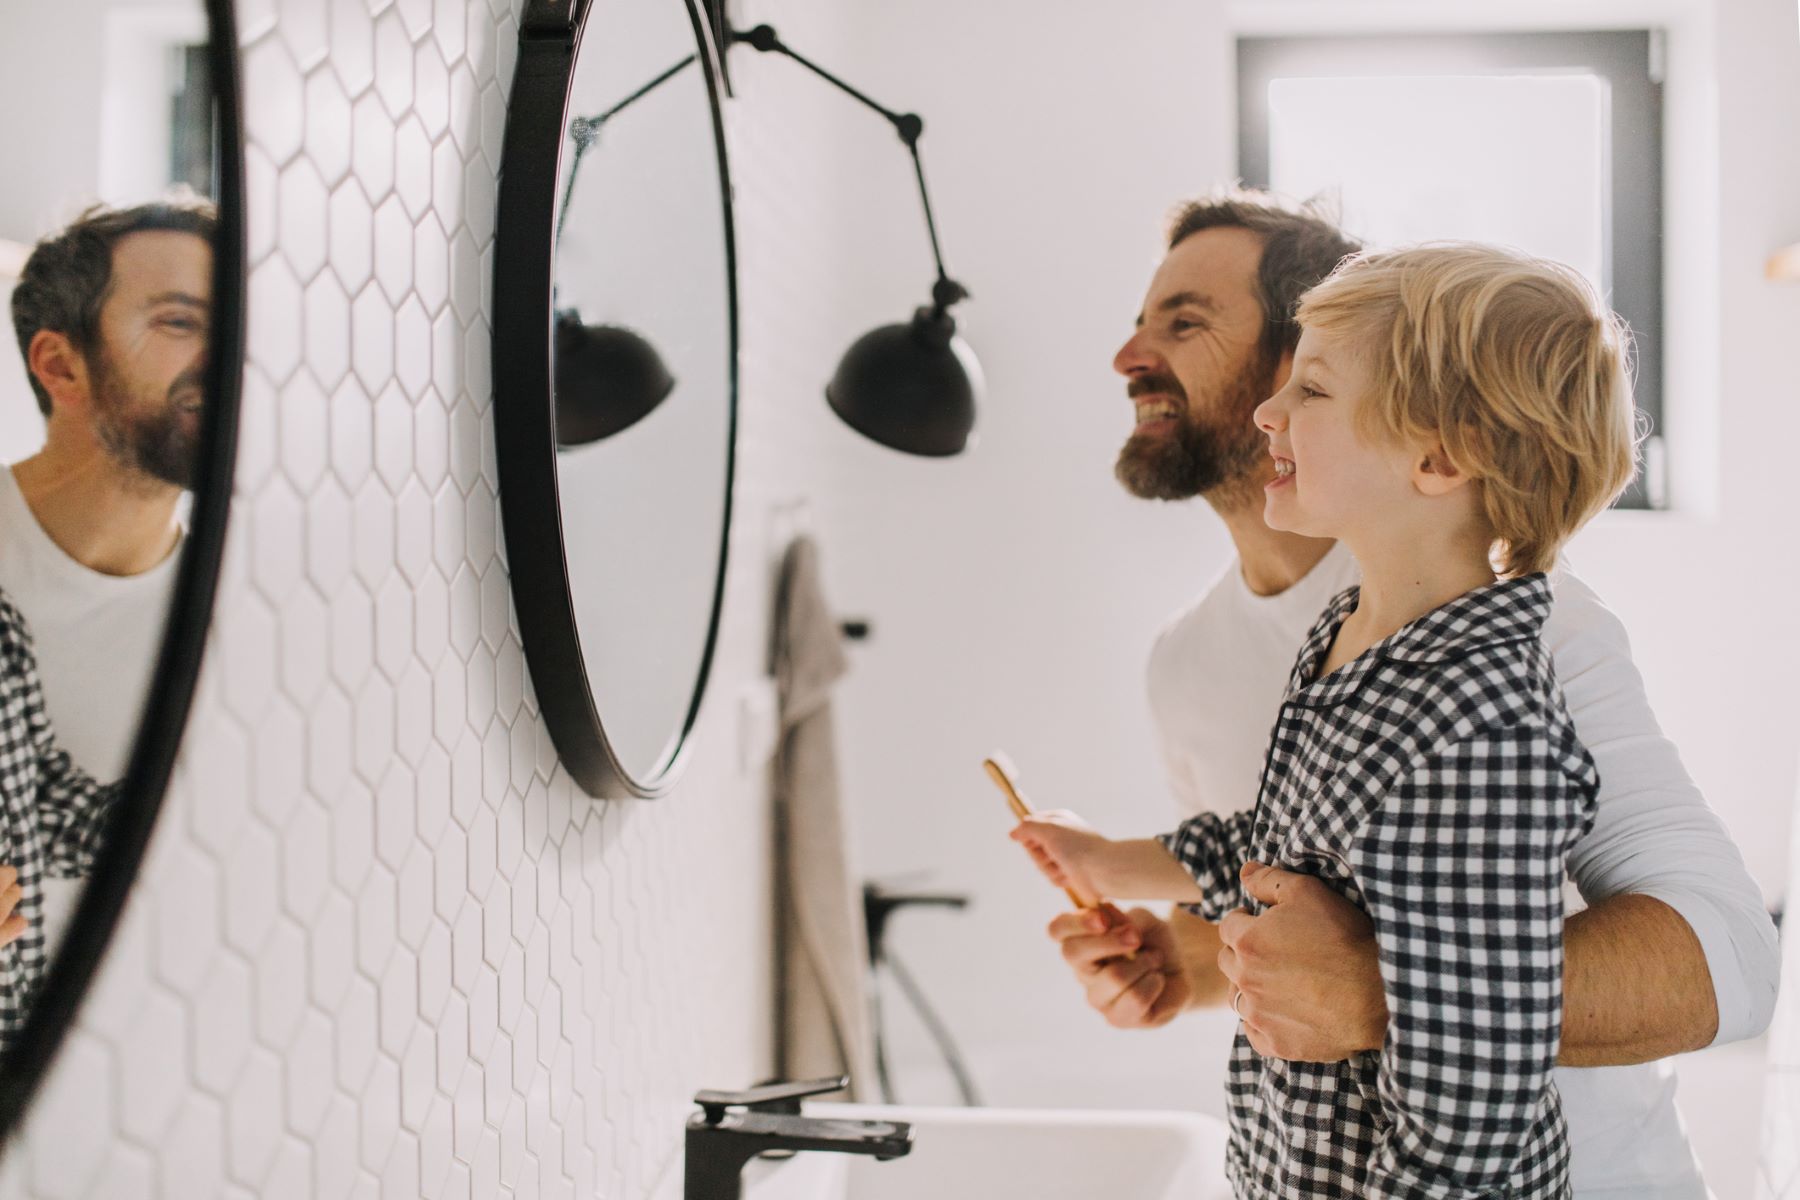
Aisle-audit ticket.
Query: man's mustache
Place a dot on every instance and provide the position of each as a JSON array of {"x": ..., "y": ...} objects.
[
  {"x": 191, "y": 380},
  {"x": 1141, "y": 385}
]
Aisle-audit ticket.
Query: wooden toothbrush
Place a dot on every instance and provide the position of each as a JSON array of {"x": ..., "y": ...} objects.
[{"x": 1005, "y": 776}]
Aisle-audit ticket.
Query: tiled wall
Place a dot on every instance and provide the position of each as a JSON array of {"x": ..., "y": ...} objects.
[{"x": 380, "y": 945}]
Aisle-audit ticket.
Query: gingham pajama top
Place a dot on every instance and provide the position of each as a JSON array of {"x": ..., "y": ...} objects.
[
  {"x": 1435, "y": 781},
  {"x": 53, "y": 815}
]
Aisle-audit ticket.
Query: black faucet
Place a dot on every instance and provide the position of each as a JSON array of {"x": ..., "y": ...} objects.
[{"x": 732, "y": 1128}]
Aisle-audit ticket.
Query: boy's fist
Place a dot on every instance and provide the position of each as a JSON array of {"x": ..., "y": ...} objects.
[
  {"x": 12, "y": 926},
  {"x": 1065, "y": 848}
]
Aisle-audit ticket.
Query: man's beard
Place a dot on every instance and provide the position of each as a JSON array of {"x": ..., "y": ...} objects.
[
  {"x": 146, "y": 434},
  {"x": 1214, "y": 455}
]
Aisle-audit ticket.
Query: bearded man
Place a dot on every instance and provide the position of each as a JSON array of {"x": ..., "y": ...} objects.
[
  {"x": 113, "y": 316},
  {"x": 1673, "y": 951}
]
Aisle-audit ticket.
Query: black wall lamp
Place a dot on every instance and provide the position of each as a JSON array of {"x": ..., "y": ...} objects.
[
  {"x": 912, "y": 386},
  {"x": 608, "y": 377}
]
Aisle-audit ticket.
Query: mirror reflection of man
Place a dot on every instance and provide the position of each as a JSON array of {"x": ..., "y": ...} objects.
[
  {"x": 1674, "y": 951},
  {"x": 112, "y": 315}
]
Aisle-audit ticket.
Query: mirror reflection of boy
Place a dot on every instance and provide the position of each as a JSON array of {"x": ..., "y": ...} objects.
[
  {"x": 1453, "y": 416},
  {"x": 53, "y": 819}
]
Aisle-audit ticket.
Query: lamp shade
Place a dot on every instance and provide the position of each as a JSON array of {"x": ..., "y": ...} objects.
[
  {"x": 912, "y": 387},
  {"x": 608, "y": 378}
]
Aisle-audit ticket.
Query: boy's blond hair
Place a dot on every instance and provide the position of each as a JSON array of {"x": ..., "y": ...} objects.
[{"x": 1513, "y": 363}]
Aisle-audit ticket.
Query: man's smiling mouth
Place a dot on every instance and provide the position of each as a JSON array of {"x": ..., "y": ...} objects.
[{"x": 1155, "y": 408}]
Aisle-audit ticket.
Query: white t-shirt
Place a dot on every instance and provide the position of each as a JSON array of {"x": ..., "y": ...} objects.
[
  {"x": 97, "y": 638},
  {"x": 1216, "y": 677}
]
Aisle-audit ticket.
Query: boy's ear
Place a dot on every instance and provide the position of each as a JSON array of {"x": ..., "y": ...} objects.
[{"x": 1434, "y": 472}]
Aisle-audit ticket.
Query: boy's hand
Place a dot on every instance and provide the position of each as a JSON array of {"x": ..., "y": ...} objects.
[
  {"x": 1065, "y": 848},
  {"x": 12, "y": 927}
]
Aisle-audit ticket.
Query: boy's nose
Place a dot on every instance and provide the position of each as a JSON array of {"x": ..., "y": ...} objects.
[{"x": 1269, "y": 416}]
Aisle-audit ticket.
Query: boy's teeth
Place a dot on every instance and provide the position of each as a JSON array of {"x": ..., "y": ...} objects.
[{"x": 1283, "y": 468}]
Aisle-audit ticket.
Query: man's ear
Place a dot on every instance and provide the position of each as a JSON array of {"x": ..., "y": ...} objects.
[
  {"x": 1434, "y": 472},
  {"x": 59, "y": 368}
]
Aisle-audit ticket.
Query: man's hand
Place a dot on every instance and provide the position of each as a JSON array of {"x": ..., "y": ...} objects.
[
  {"x": 1307, "y": 969},
  {"x": 12, "y": 926},
  {"x": 1149, "y": 989}
]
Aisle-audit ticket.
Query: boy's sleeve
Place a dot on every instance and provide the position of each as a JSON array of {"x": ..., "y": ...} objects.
[
  {"x": 73, "y": 811},
  {"x": 1212, "y": 849},
  {"x": 1461, "y": 869}
]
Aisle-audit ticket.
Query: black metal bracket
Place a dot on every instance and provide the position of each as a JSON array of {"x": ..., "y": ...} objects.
[
  {"x": 910, "y": 127},
  {"x": 554, "y": 18},
  {"x": 720, "y": 22}
]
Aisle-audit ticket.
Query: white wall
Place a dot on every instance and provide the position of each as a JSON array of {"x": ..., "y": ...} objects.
[
  {"x": 59, "y": 107},
  {"x": 1014, "y": 592},
  {"x": 380, "y": 945}
]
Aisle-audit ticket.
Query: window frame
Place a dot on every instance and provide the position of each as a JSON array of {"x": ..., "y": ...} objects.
[{"x": 1631, "y": 62}]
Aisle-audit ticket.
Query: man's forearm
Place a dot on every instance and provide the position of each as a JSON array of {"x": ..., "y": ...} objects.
[
  {"x": 1635, "y": 985},
  {"x": 1198, "y": 942}
]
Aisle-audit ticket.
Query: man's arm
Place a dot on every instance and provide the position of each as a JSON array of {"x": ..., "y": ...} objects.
[
  {"x": 1677, "y": 933},
  {"x": 1635, "y": 983},
  {"x": 1197, "y": 940}
]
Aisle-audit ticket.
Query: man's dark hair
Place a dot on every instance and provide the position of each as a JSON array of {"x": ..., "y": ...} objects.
[
  {"x": 66, "y": 280},
  {"x": 1301, "y": 246}
]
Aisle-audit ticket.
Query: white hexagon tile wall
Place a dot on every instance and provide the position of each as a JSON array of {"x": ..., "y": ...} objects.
[{"x": 380, "y": 945}]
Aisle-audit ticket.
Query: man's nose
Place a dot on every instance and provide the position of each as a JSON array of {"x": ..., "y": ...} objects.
[{"x": 1133, "y": 357}]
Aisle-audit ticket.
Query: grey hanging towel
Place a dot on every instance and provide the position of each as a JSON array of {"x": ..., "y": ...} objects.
[{"x": 822, "y": 1009}]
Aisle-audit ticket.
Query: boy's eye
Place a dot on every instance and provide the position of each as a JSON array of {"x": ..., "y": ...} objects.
[{"x": 1307, "y": 393}]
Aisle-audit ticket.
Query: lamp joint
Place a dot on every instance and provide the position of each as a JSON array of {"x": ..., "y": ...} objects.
[{"x": 947, "y": 291}]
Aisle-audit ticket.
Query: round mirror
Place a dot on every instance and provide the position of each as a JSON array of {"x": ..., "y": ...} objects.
[
  {"x": 120, "y": 254},
  {"x": 614, "y": 295}
]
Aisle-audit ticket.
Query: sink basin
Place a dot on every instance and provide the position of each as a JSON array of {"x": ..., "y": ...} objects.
[{"x": 1002, "y": 1154}]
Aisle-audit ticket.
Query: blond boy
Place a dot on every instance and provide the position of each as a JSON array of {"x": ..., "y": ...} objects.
[{"x": 1453, "y": 415}]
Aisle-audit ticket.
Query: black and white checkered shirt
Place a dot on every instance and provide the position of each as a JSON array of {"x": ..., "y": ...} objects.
[
  {"x": 53, "y": 815},
  {"x": 1437, "y": 782}
]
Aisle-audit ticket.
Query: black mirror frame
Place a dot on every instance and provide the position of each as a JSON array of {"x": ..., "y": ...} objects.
[
  {"x": 550, "y": 33},
  {"x": 28, "y": 1060}
]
